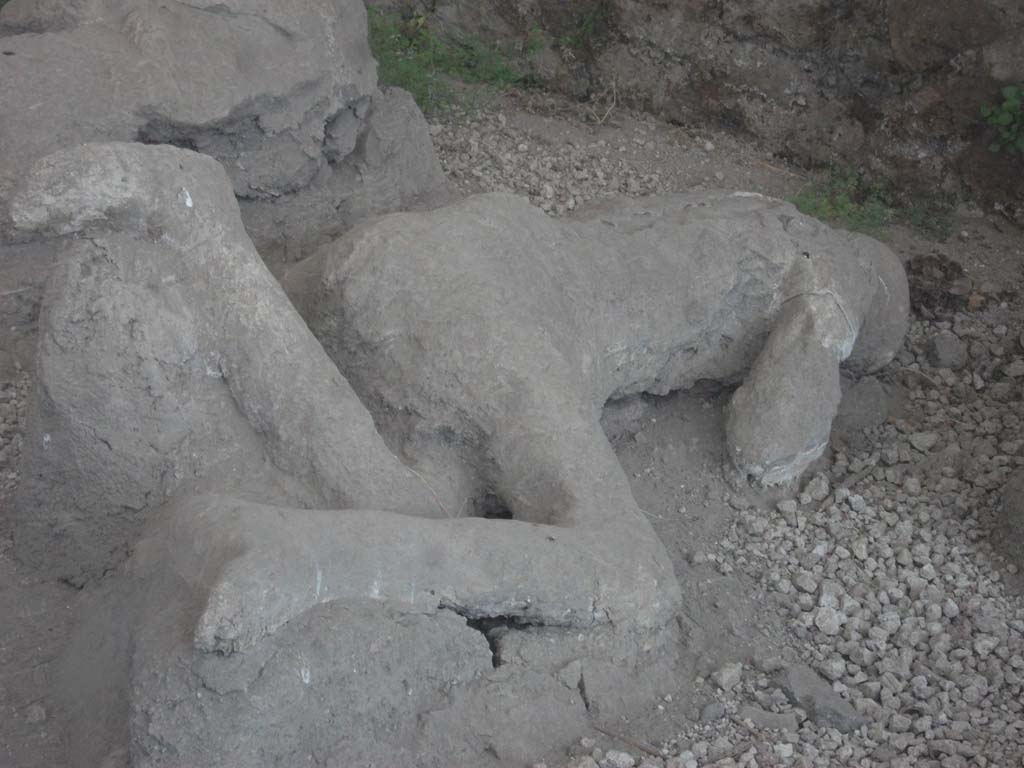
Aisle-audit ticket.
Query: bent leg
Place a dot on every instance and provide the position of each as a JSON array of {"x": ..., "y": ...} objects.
[
  {"x": 263, "y": 566},
  {"x": 555, "y": 466},
  {"x": 169, "y": 221}
]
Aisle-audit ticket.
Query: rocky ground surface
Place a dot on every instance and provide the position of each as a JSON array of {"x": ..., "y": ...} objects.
[
  {"x": 863, "y": 619},
  {"x": 562, "y": 153},
  {"x": 904, "y": 636}
]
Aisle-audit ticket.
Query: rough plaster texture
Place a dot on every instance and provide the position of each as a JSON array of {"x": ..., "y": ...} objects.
[
  {"x": 488, "y": 333},
  {"x": 177, "y": 382}
]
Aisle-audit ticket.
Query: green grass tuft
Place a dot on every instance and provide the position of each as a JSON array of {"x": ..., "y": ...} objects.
[
  {"x": 411, "y": 56},
  {"x": 845, "y": 199}
]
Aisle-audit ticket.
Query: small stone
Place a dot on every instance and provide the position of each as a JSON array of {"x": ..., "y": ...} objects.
[
  {"x": 985, "y": 644},
  {"x": 35, "y": 713},
  {"x": 924, "y": 441},
  {"x": 783, "y": 751},
  {"x": 899, "y": 723},
  {"x": 890, "y": 621},
  {"x": 806, "y": 689},
  {"x": 728, "y": 677},
  {"x": 833, "y": 668},
  {"x": 806, "y": 582},
  {"x": 1015, "y": 369},
  {"x": 615, "y": 759},
  {"x": 769, "y": 720},
  {"x": 570, "y": 674},
  {"x": 712, "y": 712},
  {"x": 832, "y": 593},
  {"x": 946, "y": 350},
  {"x": 860, "y": 548},
  {"x": 817, "y": 488},
  {"x": 769, "y": 663},
  {"x": 685, "y": 759},
  {"x": 787, "y": 507},
  {"x": 828, "y": 620}
]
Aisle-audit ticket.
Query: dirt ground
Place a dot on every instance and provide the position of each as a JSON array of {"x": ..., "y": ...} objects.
[{"x": 671, "y": 448}]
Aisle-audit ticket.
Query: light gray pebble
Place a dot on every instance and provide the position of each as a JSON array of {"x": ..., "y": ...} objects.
[{"x": 728, "y": 676}]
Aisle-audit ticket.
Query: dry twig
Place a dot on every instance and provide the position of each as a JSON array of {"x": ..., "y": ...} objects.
[{"x": 631, "y": 742}]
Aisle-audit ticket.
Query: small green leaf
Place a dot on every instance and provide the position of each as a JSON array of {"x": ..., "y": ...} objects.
[{"x": 994, "y": 147}]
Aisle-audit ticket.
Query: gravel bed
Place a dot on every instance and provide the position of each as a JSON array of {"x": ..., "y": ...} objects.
[
  {"x": 906, "y": 628},
  {"x": 563, "y": 159},
  {"x": 488, "y": 154}
]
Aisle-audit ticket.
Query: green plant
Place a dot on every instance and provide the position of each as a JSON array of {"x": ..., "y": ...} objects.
[
  {"x": 534, "y": 41},
  {"x": 1008, "y": 120},
  {"x": 845, "y": 198},
  {"x": 412, "y": 56}
]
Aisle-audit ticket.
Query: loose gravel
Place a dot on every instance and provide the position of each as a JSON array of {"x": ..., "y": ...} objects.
[
  {"x": 906, "y": 628},
  {"x": 555, "y": 153}
]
